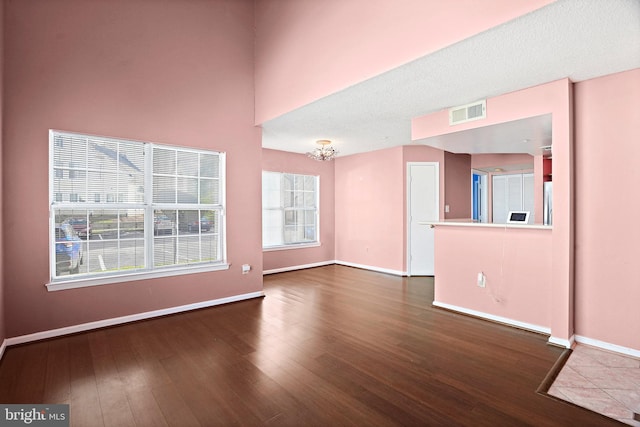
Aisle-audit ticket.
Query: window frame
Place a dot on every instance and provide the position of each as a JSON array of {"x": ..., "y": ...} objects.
[
  {"x": 283, "y": 209},
  {"x": 148, "y": 206}
]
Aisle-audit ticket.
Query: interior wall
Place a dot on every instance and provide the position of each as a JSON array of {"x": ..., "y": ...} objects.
[
  {"x": 3, "y": 334},
  {"x": 555, "y": 98},
  {"x": 369, "y": 209},
  {"x": 307, "y": 49},
  {"x": 607, "y": 176},
  {"x": 457, "y": 184},
  {"x": 281, "y": 161},
  {"x": 516, "y": 263},
  {"x": 178, "y": 73}
]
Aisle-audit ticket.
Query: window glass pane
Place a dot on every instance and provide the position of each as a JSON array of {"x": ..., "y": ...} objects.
[
  {"x": 309, "y": 183},
  {"x": 187, "y": 163},
  {"x": 209, "y": 191},
  {"x": 164, "y": 161},
  {"x": 104, "y": 155},
  {"x": 188, "y": 221},
  {"x": 131, "y": 224},
  {"x": 187, "y": 190},
  {"x": 210, "y": 247},
  {"x": 164, "y": 189},
  {"x": 164, "y": 222},
  {"x": 209, "y": 165},
  {"x": 287, "y": 182},
  {"x": 164, "y": 251},
  {"x": 288, "y": 199},
  {"x": 309, "y": 200},
  {"x": 272, "y": 227}
]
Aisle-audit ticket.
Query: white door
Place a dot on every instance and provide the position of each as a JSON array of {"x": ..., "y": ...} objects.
[{"x": 422, "y": 199}]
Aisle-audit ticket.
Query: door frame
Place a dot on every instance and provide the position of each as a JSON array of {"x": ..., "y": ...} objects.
[
  {"x": 484, "y": 194},
  {"x": 408, "y": 204}
]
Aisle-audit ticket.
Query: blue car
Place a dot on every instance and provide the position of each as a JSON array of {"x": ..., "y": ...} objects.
[{"x": 69, "y": 254}]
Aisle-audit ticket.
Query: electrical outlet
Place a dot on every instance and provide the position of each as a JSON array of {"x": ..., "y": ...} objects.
[{"x": 246, "y": 268}]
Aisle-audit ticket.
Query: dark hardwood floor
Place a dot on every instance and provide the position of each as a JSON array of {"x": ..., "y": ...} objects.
[{"x": 327, "y": 346}]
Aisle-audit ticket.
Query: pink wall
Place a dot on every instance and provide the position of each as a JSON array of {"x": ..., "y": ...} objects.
[
  {"x": 607, "y": 202},
  {"x": 555, "y": 98},
  {"x": 457, "y": 184},
  {"x": 515, "y": 261},
  {"x": 170, "y": 72},
  {"x": 307, "y": 49},
  {"x": 369, "y": 206},
  {"x": 281, "y": 161},
  {"x": 3, "y": 334}
]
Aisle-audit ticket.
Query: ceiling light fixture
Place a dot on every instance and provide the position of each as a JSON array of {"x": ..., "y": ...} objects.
[{"x": 324, "y": 152}]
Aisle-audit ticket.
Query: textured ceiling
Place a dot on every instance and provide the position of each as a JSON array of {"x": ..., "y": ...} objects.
[{"x": 578, "y": 39}]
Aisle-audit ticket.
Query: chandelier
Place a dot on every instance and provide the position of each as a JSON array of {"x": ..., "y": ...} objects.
[{"x": 324, "y": 152}]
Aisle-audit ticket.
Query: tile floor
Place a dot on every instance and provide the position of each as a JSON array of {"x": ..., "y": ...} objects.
[{"x": 604, "y": 382}]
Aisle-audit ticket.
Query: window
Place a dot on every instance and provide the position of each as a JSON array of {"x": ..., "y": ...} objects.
[
  {"x": 289, "y": 209},
  {"x": 133, "y": 208}
]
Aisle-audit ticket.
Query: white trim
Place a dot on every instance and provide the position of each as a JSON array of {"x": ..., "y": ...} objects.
[
  {"x": 94, "y": 280},
  {"x": 458, "y": 223},
  {"x": 608, "y": 346},
  {"x": 499, "y": 319},
  {"x": 372, "y": 268},
  {"x": 3, "y": 347},
  {"x": 83, "y": 327},
  {"x": 298, "y": 267},
  {"x": 561, "y": 342},
  {"x": 291, "y": 246}
]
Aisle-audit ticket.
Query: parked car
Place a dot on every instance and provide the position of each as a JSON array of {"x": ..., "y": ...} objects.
[
  {"x": 162, "y": 224},
  {"x": 191, "y": 226},
  {"x": 69, "y": 255},
  {"x": 81, "y": 227}
]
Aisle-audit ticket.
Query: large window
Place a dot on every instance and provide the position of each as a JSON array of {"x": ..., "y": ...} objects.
[
  {"x": 125, "y": 207},
  {"x": 289, "y": 210}
]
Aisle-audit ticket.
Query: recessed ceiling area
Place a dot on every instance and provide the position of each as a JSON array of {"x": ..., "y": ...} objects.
[
  {"x": 575, "y": 39},
  {"x": 531, "y": 136}
]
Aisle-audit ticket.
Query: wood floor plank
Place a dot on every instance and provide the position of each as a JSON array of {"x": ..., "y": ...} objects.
[{"x": 331, "y": 345}]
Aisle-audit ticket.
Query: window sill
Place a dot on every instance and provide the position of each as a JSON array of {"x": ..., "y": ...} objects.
[
  {"x": 294, "y": 246},
  {"x": 62, "y": 284}
]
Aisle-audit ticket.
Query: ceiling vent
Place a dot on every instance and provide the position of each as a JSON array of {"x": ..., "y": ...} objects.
[{"x": 467, "y": 113}]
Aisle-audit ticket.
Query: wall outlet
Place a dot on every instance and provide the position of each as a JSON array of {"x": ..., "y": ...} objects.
[
  {"x": 482, "y": 280},
  {"x": 446, "y": 208},
  {"x": 246, "y": 268}
]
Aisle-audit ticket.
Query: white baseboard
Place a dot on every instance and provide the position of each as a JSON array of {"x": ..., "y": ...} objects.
[
  {"x": 608, "y": 346},
  {"x": 372, "y": 268},
  {"x": 126, "y": 319},
  {"x": 499, "y": 319},
  {"x": 561, "y": 342},
  {"x": 298, "y": 267}
]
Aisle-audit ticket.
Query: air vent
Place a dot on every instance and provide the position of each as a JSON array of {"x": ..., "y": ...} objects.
[{"x": 467, "y": 113}]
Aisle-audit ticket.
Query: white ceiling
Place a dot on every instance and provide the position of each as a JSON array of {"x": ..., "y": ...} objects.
[{"x": 578, "y": 39}]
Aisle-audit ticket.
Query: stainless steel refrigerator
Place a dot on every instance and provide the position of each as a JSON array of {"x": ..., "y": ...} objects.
[{"x": 548, "y": 203}]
